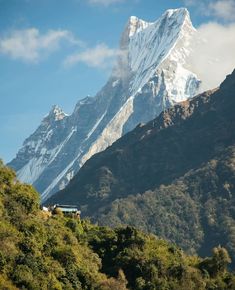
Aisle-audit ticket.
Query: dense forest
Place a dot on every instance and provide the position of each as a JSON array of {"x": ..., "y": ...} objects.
[
  {"x": 39, "y": 250},
  {"x": 196, "y": 211}
]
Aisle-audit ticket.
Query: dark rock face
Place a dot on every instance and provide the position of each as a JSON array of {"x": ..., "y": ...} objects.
[{"x": 177, "y": 170}]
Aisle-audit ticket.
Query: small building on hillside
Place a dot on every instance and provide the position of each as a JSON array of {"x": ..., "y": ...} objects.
[{"x": 67, "y": 209}]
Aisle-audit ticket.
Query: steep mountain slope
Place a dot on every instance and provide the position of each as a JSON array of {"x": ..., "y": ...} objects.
[
  {"x": 149, "y": 76},
  {"x": 174, "y": 176}
]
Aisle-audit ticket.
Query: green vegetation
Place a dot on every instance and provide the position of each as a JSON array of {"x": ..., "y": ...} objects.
[
  {"x": 196, "y": 211},
  {"x": 40, "y": 251}
]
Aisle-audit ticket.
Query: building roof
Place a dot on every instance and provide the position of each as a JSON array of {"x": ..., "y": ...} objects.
[
  {"x": 66, "y": 205},
  {"x": 67, "y": 208}
]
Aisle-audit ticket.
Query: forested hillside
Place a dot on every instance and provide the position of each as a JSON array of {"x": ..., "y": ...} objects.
[{"x": 43, "y": 251}]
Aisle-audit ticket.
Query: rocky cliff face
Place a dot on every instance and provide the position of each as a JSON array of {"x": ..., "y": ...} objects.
[{"x": 149, "y": 76}]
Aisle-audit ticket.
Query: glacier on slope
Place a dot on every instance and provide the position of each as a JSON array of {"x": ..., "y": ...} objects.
[{"x": 149, "y": 76}]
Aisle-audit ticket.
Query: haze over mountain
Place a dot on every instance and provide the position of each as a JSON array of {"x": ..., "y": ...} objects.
[
  {"x": 174, "y": 176},
  {"x": 149, "y": 76}
]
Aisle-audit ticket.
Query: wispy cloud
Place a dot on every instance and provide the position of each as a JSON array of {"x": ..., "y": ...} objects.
[
  {"x": 100, "y": 56},
  {"x": 213, "y": 53},
  {"x": 105, "y": 2},
  {"x": 224, "y": 9},
  {"x": 221, "y": 9},
  {"x": 30, "y": 45}
]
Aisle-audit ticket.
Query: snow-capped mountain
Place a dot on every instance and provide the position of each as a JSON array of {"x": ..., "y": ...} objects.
[{"x": 149, "y": 76}]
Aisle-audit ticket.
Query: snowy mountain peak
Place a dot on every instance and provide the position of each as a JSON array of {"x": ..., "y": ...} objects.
[
  {"x": 166, "y": 38},
  {"x": 135, "y": 25},
  {"x": 179, "y": 11},
  {"x": 149, "y": 76},
  {"x": 145, "y": 45},
  {"x": 56, "y": 114},
  {"x": 181, "y": 16}
]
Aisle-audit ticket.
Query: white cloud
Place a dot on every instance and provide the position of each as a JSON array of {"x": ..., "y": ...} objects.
[
  {"x": 224, "y": 9},
  {"x": 189, "y": 2},
  {"x": 101, "y": 56},
  {"x": 213, "y": 53},
  {"x": 221, "y": 9},
  {"x": 105, "y": 2},
  {"x": 30, "y": 45}
]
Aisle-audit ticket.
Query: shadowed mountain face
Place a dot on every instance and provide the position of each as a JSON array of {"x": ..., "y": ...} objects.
[
  {"x": 150, "y": 75},
  {"x": 173, "y": 176}
]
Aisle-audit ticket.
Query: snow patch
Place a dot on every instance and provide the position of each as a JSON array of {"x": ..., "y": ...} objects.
[
  {"x": 96, "y": 125},
  {"x": 115, "y": 83},
  {"x": 33, "y": 169},
  {"x": 112, "y": 131},
  {"x": 57, "y": 180}
]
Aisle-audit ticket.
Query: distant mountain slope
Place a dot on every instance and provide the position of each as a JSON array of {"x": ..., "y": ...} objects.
[
  {"x": 149, "y": 76},
  {"x": 174, "y": 176}
]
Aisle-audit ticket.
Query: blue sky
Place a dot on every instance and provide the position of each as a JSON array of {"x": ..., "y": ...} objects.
[{"x": 59, "y": 51}]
